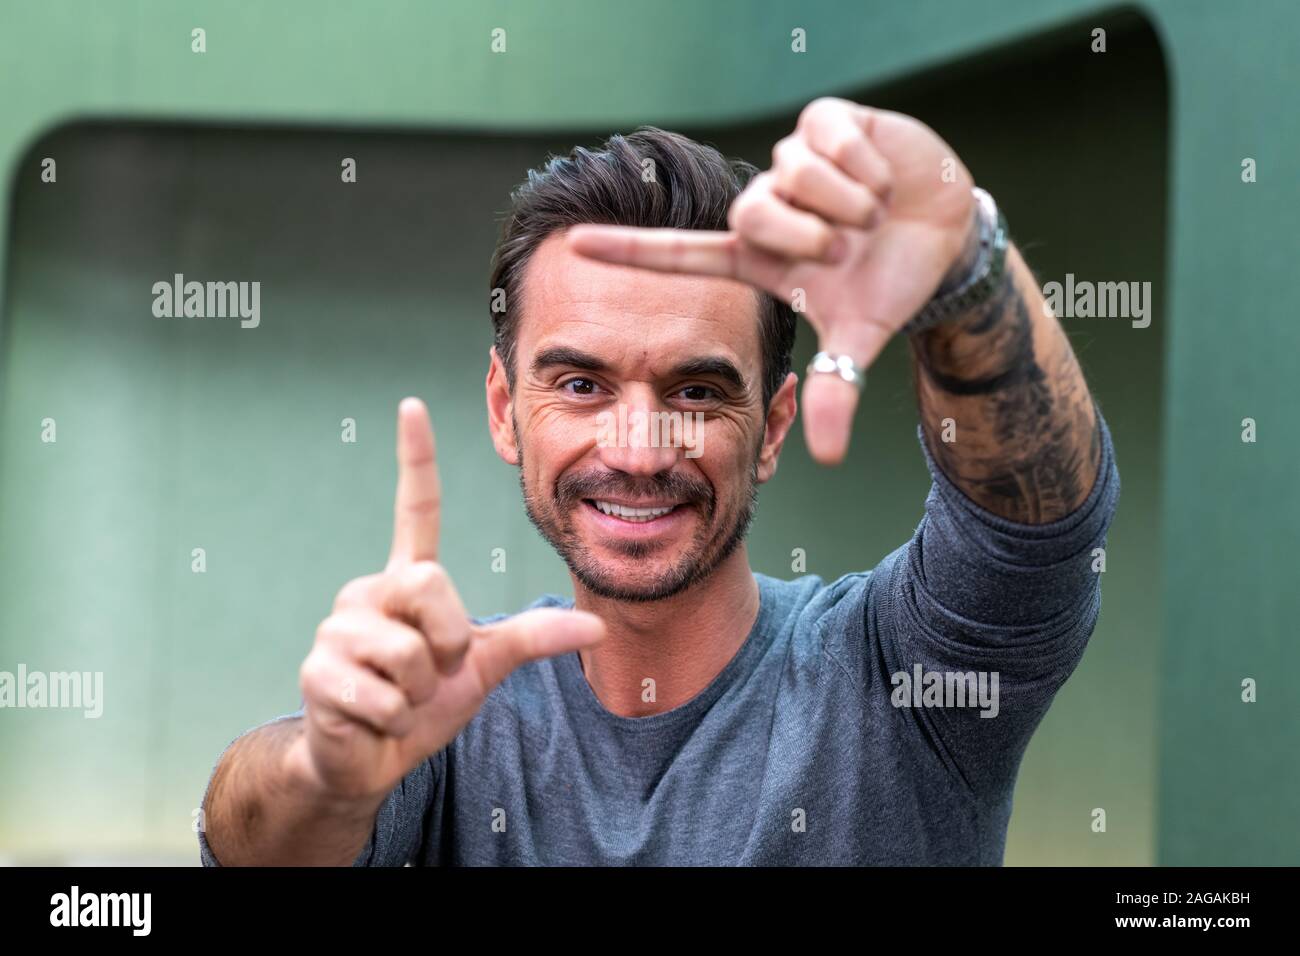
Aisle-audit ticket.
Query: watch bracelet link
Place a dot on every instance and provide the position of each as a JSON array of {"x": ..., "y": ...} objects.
[{"x": 985, "y": 274}]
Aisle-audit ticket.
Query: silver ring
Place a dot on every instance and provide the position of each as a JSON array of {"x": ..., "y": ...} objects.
[{"x": 826, "y": 363}]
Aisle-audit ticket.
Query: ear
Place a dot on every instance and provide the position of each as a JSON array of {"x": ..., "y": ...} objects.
[
  {"x": 500, "y": 422},
  {"x": 780, "y": 416}
]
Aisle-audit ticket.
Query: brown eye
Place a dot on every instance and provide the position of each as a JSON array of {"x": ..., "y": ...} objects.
[
  {"x": 580, "y": 386},
  {"x": 698, "y": 393}
]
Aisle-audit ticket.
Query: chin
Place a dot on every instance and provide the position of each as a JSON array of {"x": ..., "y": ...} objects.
[{"x": 638, "y": 581}]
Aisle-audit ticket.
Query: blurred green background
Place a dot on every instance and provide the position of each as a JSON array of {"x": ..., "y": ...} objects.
[{"x": 183, "y": 434}]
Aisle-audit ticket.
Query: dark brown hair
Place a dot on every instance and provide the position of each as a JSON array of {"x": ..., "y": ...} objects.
[{"x": 692, "y": 187}]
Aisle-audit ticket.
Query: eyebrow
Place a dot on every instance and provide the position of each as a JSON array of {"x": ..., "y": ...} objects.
[
  {"x": 712, "y": 367},
  {"x": 706, "y": 365},
  {"x": 567, "y": 357}
]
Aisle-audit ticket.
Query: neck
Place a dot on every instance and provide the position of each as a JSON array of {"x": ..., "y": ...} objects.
[{"x": 681, "y": 642}]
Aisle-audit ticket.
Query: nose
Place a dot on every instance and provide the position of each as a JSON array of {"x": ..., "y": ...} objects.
[{"x": 639, "y": 440}]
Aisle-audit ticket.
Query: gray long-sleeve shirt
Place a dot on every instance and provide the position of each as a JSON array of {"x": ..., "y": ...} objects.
[{"x": 809, "y": 747}]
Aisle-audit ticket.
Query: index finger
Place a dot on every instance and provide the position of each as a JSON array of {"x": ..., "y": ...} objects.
[
  {"x": 418, "y": 509},
  {"x": 695, "y": 251}
]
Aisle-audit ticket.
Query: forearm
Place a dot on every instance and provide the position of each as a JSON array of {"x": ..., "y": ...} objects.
[
  {"x": 263, "y": 810},
  {"x": 1004, "y": 406}
]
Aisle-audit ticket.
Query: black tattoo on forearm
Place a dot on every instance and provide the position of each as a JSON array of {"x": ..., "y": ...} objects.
[{"x": 1029, "y": 442}]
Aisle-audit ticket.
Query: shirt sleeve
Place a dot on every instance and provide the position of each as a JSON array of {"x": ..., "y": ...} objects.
[
  {"x": 1011, "y": 604},
  {"x": 206, "y": 856},
  {"x": 398, "y": 834}
]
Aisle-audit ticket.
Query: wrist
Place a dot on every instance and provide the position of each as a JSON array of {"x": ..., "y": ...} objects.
[
  {"x": 305, "y": 786},
  {"x": 976, "y": 273},
  {"x": 967, "y": 258}
]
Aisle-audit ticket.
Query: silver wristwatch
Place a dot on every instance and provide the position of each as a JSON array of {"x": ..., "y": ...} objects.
[{"x": 984, "y": 277}]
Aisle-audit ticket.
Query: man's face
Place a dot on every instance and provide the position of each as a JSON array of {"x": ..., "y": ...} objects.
[{"x": 636, "y": 419}]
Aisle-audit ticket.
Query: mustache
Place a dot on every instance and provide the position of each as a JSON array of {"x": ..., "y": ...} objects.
[{"x": 686, "y": 489}]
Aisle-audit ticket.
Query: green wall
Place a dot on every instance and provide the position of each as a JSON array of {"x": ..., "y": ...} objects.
[{"x": 175, "y": 435}]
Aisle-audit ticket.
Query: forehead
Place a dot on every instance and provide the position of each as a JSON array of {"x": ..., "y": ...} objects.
[{"x": 625, "y": 313}]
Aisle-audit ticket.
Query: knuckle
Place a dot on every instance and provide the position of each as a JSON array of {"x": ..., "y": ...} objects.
[
  {"x": 355, "y": 592},
  {"x": 801, "y": 176},
  {"x": 733, "y": 216},
  {"x": 746, "y": 213},
  {"x": 841, "y": 147},
  {"x": 330, "y": 630},
  {"x": 430, "y": 576},
  {"x": 745, "y": 198},
  {"x": 341, "y": 634},
  {"x": 869, "y": 214},
  {"x": 784, "y": 149},
  {"x": 428, "y": 503},
  {"x": 819, "y": 241},
  {"x": 404, "y": 652},
  {"x": 456, "y": 635},
  {"x": 817, "y": 109},
  {"x": 310, "y": 674},
  {"x": 387, "y": 709}
]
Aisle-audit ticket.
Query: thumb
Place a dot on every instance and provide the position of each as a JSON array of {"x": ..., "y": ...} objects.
[
  {"x": 500, "y": 648},
  {"x": 829, "y": 401}
]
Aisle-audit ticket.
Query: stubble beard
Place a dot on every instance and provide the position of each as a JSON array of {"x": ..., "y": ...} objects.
[{"x": 705, "y": 554}]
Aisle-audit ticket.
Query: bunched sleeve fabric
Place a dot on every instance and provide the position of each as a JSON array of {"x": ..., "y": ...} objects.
[
  {"x": 1011, "y": 604},
  {"x": 206, "y": 856},
  {"x": 398, "y": 835}
]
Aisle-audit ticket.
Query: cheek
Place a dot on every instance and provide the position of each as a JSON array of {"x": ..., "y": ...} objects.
[
  {"x": 555, "y": 437},
  {"x": 729, "y": 441},
  {"x": 545, "y": 413},
  {"x": 728, "y": 449}
]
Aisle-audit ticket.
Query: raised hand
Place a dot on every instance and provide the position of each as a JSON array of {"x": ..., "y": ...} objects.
[
  {"x": 398, "y": 668},
  {"x": 861, "y": 216}
]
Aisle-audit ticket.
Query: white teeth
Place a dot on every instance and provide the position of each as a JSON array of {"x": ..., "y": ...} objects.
[{"x": 631, "y": 514}]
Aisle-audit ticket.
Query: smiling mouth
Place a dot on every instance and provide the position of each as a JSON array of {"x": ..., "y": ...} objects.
[{"x": 631, "y": 513}]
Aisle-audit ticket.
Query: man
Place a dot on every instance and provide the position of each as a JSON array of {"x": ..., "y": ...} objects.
[{"x": 684, "y": 710}]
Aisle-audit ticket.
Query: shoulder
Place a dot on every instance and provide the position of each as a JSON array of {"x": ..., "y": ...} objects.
[
  {"x": 818, "y": 615},
  {"x": 811, "y": 598}
]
